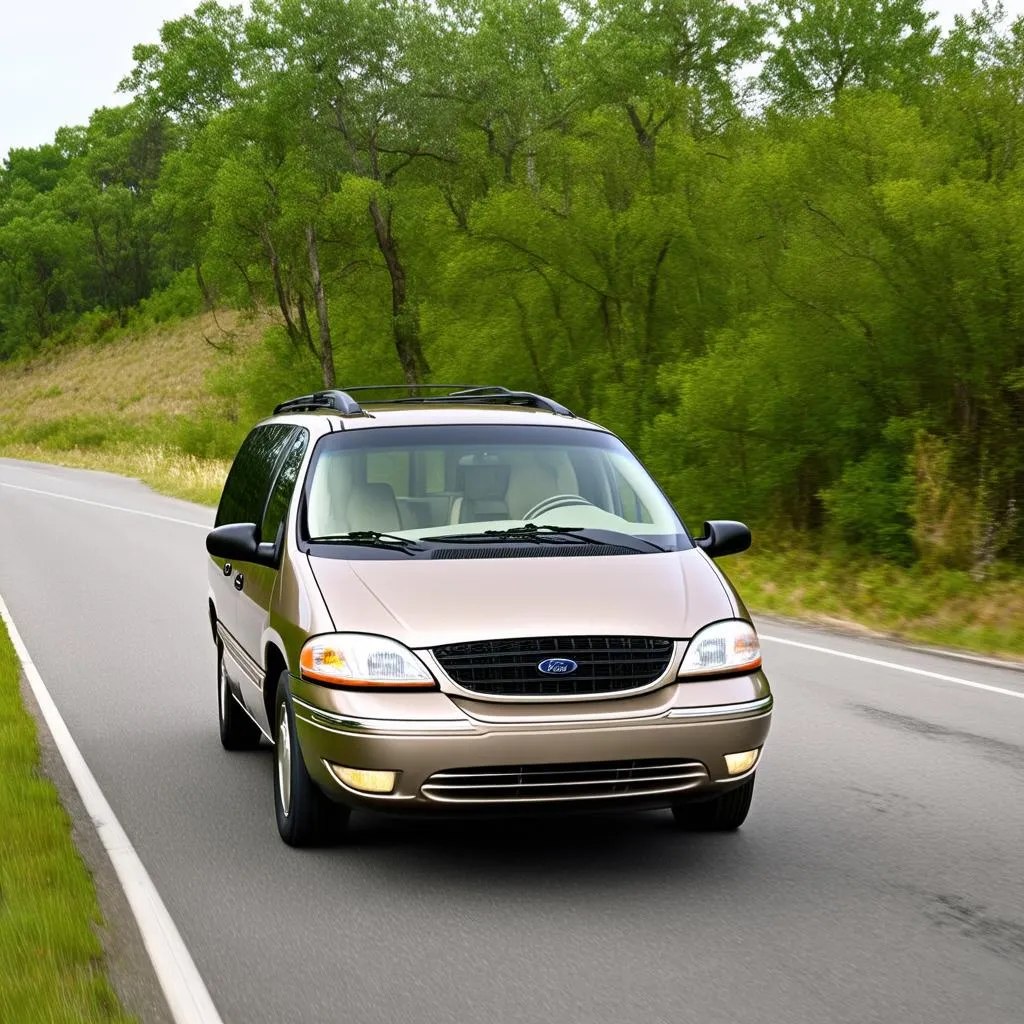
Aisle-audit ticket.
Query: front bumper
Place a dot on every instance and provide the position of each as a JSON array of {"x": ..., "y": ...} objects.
[{"x": 568, "y": 748}]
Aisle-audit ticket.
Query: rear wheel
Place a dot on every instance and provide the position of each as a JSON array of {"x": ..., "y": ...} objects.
[
  {"x": 724, "y": 813},
  {"x": 237, "y": 730},
  {"x": 305, "y": 817}
]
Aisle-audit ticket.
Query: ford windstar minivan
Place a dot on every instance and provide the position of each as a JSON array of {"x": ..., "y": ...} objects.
[{"x": 466, "y": 600}]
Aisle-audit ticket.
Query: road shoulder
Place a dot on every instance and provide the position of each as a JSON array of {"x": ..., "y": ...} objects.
[{"x": 128, "y": 965}]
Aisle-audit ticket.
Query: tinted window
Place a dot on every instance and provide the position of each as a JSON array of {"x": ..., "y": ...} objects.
[
  {"x": 249, "y": 480},
  {"x": 284, "y": 487}
]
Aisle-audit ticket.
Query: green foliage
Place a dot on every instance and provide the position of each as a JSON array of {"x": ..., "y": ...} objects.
[
  {"x": 799, "y": 299},
  {"x": 180, "y": 298},
  {"x": 830, "y": 46},
  {"x": 868, "y": 506}
]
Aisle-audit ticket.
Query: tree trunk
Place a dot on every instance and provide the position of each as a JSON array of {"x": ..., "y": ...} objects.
[
  {"x": 609, "y": 328},
  {"x": 307, "y": 335},
  {"x": 645, "y": 138},
  {"x": 404, "y": 318},
  {"x": 531, "y": 349},
  {"x": 204, "y": 288},
  {"x": 326, "y": 352},
  {"x": 282, "y": 296},
  {"x": 652, "y": 298}
]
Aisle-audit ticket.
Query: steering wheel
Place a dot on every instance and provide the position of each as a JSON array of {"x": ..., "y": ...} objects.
[{"x": 556, "y": 501}]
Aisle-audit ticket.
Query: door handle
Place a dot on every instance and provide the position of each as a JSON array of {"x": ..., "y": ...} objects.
[
  {"x": 227, "y": 568},
  {"x": 239, "y": 581}
]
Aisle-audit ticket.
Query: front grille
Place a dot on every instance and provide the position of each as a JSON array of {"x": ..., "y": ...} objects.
[
  {"x": 596, "y": 780},
  {"x": 509, "y": 668}
]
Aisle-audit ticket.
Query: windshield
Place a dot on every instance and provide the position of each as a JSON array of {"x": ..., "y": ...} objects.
[{"x": 469, "y": 484}]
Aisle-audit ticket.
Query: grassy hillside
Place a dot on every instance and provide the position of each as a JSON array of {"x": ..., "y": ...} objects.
[
  {"x": 130, "y": 405},
  {"x": 168, "y": 406}
]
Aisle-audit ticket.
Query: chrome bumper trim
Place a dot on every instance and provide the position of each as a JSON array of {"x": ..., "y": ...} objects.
[
  {"x": 750, "y": 707},
  {"x": 354, "y": 725},
  {"x": 377, "y": 726}
]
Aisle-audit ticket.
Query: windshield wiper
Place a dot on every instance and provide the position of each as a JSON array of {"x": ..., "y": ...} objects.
[
  {"x": 540, "y": 534},
  {"x": 529, "y": 531},
  {"x": 371, "y": 539}
]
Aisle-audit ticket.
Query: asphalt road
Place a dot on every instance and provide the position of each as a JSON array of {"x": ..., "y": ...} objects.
[{"x": 879, "y": 877}]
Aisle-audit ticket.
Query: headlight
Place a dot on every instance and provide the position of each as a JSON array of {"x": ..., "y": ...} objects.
[
  {"x": 355, "y": 659},
  {"x": 730, "y": 646}
]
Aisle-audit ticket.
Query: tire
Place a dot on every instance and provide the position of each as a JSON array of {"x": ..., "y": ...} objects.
[
  {"x": 237, "y": 730},
  {"x": 305, "y": 817},
  {"x": 724, "y": 813}
]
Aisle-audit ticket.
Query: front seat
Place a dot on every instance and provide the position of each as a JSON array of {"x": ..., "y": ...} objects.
[
  {"x": 372, "y": 507},
  {"x": 340, "y": 504},
  {"x": 530, "y": 481}
]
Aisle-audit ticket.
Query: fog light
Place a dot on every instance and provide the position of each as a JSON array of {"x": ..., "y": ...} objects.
[
  {"x": 363, "y": 779},
  {"x": 737, "y": 764}
]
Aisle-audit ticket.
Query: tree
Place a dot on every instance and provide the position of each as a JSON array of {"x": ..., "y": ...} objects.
[
  {"x": 664, "y": 59},
  {"x": 826, "y": 47},
  {"x": 346, "y": 64}
]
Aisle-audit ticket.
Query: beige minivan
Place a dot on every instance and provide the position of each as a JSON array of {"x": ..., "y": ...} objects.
[{"x": 467, "y": 599}]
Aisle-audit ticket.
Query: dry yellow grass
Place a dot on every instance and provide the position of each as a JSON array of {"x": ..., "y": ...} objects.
[
  {"x": 164, "y": 469},
  {"x": 160, "y": 373}
]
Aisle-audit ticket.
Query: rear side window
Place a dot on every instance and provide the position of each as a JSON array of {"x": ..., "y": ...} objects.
[
  {"x": 284, "y": 487},
  {"x": 245, "y": 492}
]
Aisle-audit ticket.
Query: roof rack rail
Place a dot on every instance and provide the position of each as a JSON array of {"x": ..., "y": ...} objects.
[
  {"x": 339, "y": 401},
  {"x": 411, "y": 387},
  {"x": 499, "y": 394},
  {"x": 488, "y": 395}
]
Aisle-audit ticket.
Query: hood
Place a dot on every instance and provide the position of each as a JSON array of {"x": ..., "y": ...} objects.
[{"x": 423, "y": 603}]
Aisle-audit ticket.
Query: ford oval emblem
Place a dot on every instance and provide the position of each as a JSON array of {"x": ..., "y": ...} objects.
[{"x": 557, "y": 666}]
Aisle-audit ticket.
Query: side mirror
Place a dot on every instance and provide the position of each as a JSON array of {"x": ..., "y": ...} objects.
[
  {"x": 724, "y": 537},
  {"x": 237, "y": 542}
]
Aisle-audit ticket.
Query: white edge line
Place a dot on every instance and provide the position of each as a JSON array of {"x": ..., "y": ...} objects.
[
  {"x": 1019, "y": 694},
  {"x": 113, "y": 508},
  {"x": 186, "y": 994}
]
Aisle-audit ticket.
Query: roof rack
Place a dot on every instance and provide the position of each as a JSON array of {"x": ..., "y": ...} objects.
[
  {"x": 339, "y": 401},
  {"x": 344, "y": 403}
]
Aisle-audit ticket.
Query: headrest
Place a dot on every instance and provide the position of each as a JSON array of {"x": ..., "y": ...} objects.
[
  {"x": 372, "y": 507},
  {"x": 485, "y": 482}
]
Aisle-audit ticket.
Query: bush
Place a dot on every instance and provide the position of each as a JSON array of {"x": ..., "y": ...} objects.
[
  {"x": 180, "y": 298},
  {"x": 869, "y": 507},
  {"x": 275, "y": 369}
]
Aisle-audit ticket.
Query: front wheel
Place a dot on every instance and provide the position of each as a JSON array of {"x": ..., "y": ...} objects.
[
  {"x": 305, "y": 817},
  {"x": 724, "y": 813}
]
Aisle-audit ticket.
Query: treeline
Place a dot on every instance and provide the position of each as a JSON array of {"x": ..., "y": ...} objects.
[{"x": 780, "y": 246}]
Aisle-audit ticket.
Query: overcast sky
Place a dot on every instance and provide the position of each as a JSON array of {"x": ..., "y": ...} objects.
[{"x": 61, "y": 59}]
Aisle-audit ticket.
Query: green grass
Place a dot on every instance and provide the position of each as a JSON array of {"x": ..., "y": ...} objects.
[
  {"x": 947, "y": 608},
  {"x": 51, "y": 960}
]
